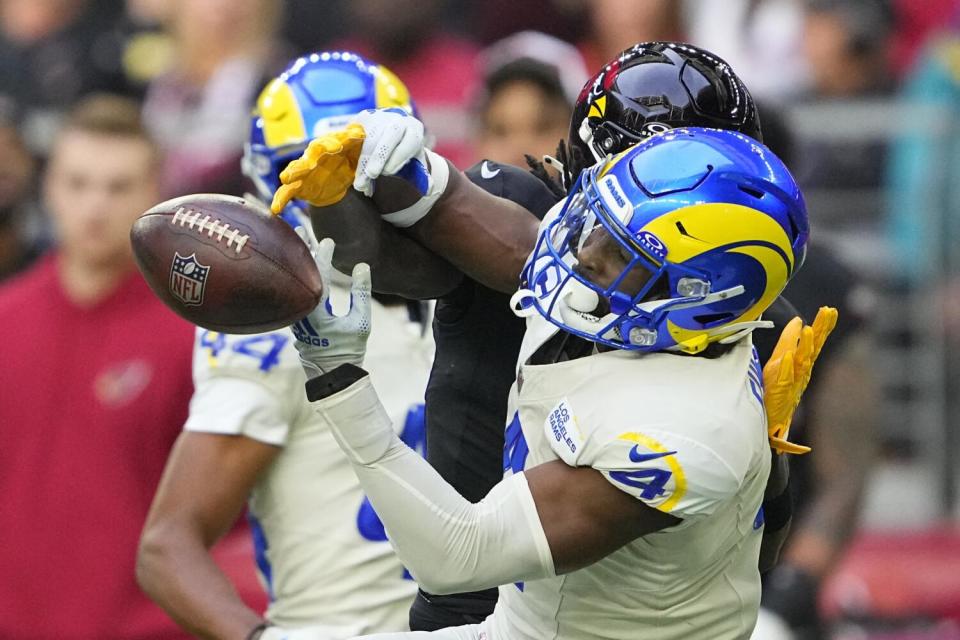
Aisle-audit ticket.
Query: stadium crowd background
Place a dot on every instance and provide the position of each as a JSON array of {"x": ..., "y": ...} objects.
[{"x": 860, "y": 97}]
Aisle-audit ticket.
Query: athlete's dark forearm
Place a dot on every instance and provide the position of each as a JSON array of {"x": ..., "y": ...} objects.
[
  {"x": 841, "y": 424},
  {"x": 770, "y": 546},
  {"x": 203, "y": 490},
  {"x": 179, "y": 574},
  {"x": 398, "y": 264},
  {"x": 487, "y": 237},
  {"x": 777, "y": 511}
]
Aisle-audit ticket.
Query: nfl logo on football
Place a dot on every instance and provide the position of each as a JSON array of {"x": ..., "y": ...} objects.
[{"x": 188, "y": 279}]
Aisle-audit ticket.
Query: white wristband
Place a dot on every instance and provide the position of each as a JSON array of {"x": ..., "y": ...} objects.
[{"x": 439, "y": 175}]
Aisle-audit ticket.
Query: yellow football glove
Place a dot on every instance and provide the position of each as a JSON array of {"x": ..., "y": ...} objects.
[
  {"x": 787, "y": 374},
  {"x": 324, "y": 172}
]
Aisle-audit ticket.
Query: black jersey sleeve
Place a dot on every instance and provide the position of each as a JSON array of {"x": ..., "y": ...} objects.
[{"x": 513, "y": 183}]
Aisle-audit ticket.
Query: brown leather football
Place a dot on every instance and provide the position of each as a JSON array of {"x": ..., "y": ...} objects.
[{"x": 225, "y": 263}]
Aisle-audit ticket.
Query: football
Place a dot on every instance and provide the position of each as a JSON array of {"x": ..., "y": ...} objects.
[{"x": 225, "y": 263}]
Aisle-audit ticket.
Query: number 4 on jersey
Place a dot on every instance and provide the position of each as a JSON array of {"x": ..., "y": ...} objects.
[
  {"x": 265, "y": 348},
  {"x": 652, "y": 482}
]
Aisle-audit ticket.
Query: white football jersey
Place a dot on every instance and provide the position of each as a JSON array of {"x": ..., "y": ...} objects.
[
  {"x": 684, "y": 434},
  {"x": 321, "y": 551}
]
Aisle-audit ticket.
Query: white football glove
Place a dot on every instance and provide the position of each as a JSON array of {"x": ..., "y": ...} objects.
[
  {"x": 394, "y": 146},
  {"x": 325, "y": 340},
  {"x": 393, "y": 138}
]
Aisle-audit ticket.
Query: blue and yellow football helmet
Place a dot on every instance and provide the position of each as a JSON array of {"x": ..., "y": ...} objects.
[
  {"x": 714, "y": 219},
  {"x": 315, "y": 94}
]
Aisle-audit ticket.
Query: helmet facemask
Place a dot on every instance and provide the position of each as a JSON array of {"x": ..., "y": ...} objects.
[{"x": 620, "y": 313}]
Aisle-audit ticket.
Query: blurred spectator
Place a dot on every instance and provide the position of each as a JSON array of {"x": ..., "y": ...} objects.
[
  {"x": 310, "y": 25},
  {"x": 837, "y": 419},
  {"x": 523, "y": 111},
  {"x": 616, "y": 25},
  {"x": 562, "y": 57},
  {"x": 96, "y": 381},
  {"x": 148, "y": 49},
  {"x": 20, "y": 235},
  {"x": 846, "y": 43},
  {"x": 493, "y": 20},
  {"x": 922, "y": 213},
  {"x": 438, "y": 67},
  {"x": 52, "y": 53},
  {"x": 922, "y": 220},
  {"x": 147, "y": 12},
  {"x": 923, "y": 225},
  {"x": 531, "y": 81},
  {"x": 916, "y": 23},
  {"x": 761, "y": 39},
  {"x": 199, "y": 110}
]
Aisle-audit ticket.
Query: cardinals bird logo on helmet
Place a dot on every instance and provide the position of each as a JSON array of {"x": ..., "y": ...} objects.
[{"x": 653, "y": 87}]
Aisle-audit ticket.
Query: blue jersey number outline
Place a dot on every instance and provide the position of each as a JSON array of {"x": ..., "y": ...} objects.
[
  {"x": 515, "y": 452},
  {"x": 266, "y": 348},
  {"x": 414, "y": 435},
  {"x": 652, "y": 481},
  {"x": 515, "y": 448}
]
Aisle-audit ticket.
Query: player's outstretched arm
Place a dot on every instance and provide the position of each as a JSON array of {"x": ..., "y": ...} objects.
[
  {"x": 519, "y": 531},
  {"x": 548, "y": 520},
  {"x": 487, "y": 237},
  {"x": 399, "y": 265},
  {"x": 205, "y": 485}
]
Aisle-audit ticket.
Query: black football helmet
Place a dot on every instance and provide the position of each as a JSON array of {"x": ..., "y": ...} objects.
[{"x": 652, "y": 87}]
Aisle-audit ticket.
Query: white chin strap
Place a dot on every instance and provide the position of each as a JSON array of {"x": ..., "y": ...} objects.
[
  {"x": 740, "y": 329},
  {"x": 653, "y": 305}
]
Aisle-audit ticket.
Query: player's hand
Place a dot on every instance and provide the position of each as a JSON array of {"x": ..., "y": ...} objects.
[
  {"x": 325, "y": 340},
  {"x": 324, "y": 172},
  {"x": 394, "y": 138},
  {"x": 787, "y": 374}
]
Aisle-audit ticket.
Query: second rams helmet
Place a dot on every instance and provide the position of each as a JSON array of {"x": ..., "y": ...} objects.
[{"x": 315, "y": 94}]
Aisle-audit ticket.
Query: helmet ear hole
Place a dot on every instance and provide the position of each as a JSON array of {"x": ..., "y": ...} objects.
[
  {"x": 750, "y": 191},
  {"x": 712, "y": 319}
]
